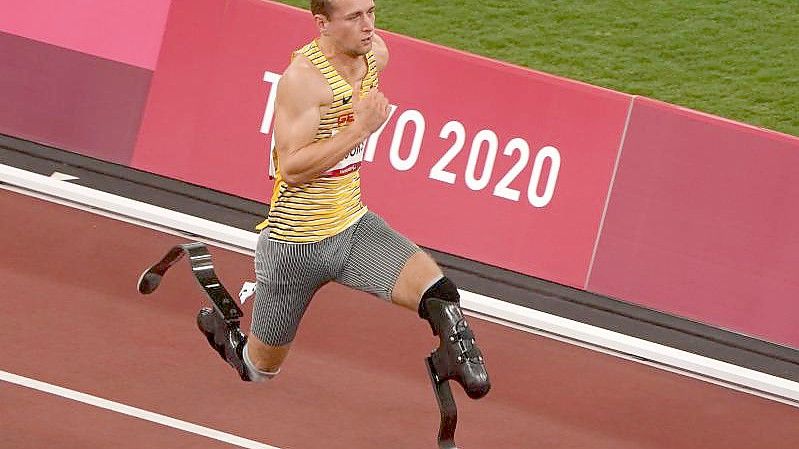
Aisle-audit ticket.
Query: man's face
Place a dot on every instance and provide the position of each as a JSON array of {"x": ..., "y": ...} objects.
[{"x": 351, "y": 25}]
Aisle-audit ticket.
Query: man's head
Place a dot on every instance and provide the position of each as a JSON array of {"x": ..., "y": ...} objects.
[{"x": 349, "y": 24}]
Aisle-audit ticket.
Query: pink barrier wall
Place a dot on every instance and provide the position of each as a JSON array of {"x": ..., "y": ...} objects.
[
  {"x": 76, "y": 74},
  {"x": 703, "y": 222},
  {"x": 203, "y": 116},
  {"x": 480, "y": 159},
  {"x": 127, "y": 31},
  {"x": 489, "y": 161},
  {"x": 70, "y": 100}
]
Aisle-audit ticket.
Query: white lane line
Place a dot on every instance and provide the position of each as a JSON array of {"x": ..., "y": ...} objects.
[
  {"x": 57, "y": 175},
  {"x": 132, "y": 411}
]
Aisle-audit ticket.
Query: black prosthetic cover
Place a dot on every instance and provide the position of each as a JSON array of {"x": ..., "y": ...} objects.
[
  {"x": 228, "y": 340},
  {"x": 458, "y": 357}
]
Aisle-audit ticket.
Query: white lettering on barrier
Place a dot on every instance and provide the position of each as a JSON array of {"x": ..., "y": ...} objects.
[
  {"x": 438, "y": 172},
  {"x": 472, "y": 181},
  {"x": 269, "y": 114},
  {"x": 502, "y": 190},
  {"x": 411, "y": 115},
  {"x": 553, "y": 155}
]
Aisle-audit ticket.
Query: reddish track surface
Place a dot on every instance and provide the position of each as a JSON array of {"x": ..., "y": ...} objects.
[{"x": 355, "y": 379}]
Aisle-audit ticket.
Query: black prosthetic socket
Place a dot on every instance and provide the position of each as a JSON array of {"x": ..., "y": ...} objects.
[
  {"x": 443, "y": 289},
  {"x": 458, "y": 357},
  {"x": 225, "y": 339}
]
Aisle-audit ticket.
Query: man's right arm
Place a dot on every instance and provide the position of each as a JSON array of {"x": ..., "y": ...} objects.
[{"x": 301, "y": 94}]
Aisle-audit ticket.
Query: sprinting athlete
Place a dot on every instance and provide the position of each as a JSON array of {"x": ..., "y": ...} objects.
[{"x": 317, "y": 229}]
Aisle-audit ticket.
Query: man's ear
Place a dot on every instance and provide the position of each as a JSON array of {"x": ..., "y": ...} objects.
[{"x": 321, "y": 23}]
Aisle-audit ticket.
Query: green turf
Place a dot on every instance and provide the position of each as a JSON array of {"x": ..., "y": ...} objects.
[{"x": 733, "y": 58}]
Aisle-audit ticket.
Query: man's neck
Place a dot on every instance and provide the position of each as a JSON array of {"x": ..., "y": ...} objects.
[{"x": 337, "y": 57}]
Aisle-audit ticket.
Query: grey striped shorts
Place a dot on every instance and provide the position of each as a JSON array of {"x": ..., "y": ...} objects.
[{"x": 367, "y": 256}]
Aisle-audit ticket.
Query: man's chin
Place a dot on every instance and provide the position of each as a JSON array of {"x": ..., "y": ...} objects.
[{"x": 361, "y": 49}]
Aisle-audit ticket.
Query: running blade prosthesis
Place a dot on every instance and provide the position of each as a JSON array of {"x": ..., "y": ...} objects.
[{"x": 220, "y": 324}]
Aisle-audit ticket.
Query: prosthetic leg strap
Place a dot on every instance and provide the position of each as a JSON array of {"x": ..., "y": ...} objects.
[
  {"x": 203, "y": 269},
  {"x": 464, "y": 338},
  {"x": 447, "y": 407}
]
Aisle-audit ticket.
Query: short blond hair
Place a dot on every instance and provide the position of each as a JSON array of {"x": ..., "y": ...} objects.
[{"x": 321, "y": 7}]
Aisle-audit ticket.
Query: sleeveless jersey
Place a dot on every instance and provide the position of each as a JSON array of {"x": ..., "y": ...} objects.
[{"x": 327, "y": 205}]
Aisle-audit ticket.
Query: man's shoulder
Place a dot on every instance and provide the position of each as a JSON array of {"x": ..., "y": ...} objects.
[
  {"x": 303, "y": 76},
  {"x": 380, "y": 50},
  {"x": 301, "y": 67}
]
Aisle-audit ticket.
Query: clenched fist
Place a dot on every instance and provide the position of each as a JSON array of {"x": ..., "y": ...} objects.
[{"x": 371, "y": 111}]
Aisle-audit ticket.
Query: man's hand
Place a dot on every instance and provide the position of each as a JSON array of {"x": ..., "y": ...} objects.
[{"x": 371, "y": 111}]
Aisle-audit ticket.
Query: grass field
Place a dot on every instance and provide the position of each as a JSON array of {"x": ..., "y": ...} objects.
[{"x": 734, "y": 58}]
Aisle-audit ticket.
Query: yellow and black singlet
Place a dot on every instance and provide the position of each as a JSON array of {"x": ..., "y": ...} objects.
[{"x": 330, "y": 203}]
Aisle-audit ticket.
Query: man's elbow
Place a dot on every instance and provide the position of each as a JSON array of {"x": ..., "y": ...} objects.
[{"x": 294, "y": 178}]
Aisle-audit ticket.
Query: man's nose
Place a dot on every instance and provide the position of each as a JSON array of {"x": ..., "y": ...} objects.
[{"x": 368, "y": 23}]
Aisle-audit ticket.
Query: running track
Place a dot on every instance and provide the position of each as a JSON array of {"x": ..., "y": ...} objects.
[{"x": 71, "y": 317}]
